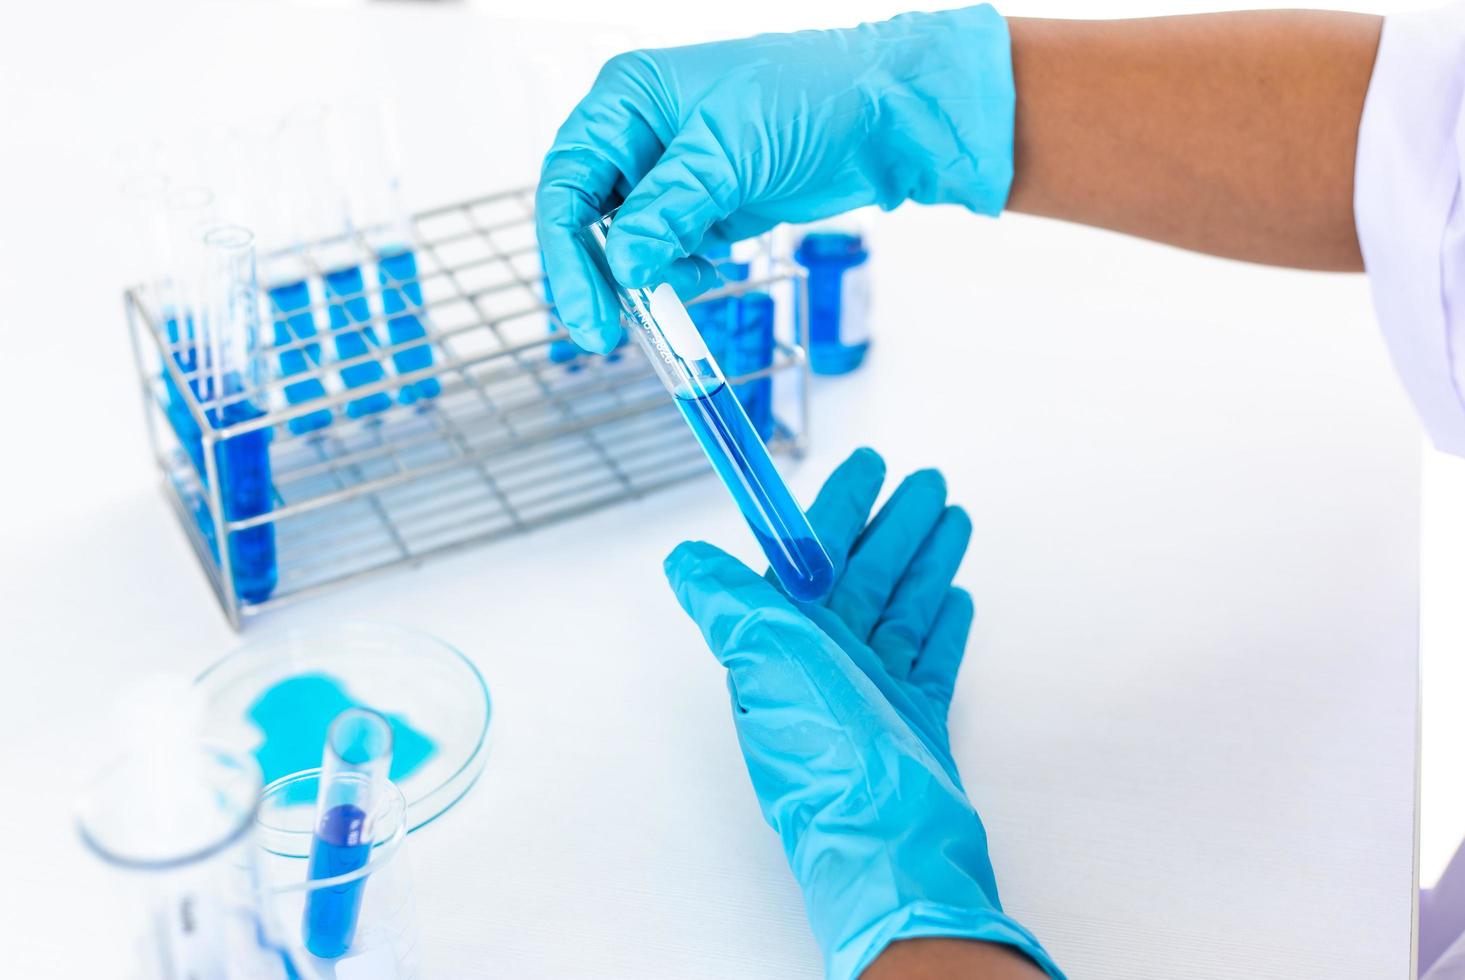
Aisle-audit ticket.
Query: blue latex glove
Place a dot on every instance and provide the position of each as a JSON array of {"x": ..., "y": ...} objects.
[
  {"x": 719, "y": 142},
  {"x": 841, "y": 709}
]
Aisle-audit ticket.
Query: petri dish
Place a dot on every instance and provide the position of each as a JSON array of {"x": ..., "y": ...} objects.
[{"x": 275, "y": 696}]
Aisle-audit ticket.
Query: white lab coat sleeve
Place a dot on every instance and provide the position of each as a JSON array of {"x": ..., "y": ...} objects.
[{"x": 1410, "y": 214}]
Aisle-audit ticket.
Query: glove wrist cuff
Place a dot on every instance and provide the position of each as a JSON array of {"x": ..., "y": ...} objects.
[
  {"x": 948, "y": 105},
  {"x": 926, "y": 920}
]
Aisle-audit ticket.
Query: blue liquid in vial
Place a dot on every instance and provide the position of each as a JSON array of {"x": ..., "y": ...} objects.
[
  {"x": 348, "y": 305},
  {"x": 244, "y": 479},
  {"x": 743, "y": 464},
  {"x": 829, "y": 257},
  {"x": 401, "y": 293},
  {"x": 294, "y": 321},
  {"x": 336, "y": 849}
]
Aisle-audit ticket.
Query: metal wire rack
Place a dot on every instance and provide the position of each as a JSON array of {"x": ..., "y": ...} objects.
[{"x": 513, "y": 441}]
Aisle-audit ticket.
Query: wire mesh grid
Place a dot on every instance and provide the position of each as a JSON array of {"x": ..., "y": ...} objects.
[{"x": 512, "y": 440}]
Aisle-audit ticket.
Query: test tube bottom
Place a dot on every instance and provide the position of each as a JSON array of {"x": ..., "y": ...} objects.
[
  {"x": 725, "y": 434},
  {"x": 244, "y": 478}
]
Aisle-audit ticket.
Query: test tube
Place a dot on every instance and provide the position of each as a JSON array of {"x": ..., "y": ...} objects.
[
  {"x": 309, "y": 134},
  {"x": 230, "y": 331},
  {"x": 354, "y": 773},
  {"x": 189, "y": 211},
  {"x": 660, "y": 325},
  {"x": 368, "y": 149}
]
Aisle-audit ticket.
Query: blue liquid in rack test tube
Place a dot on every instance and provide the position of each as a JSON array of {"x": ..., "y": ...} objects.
[
  {"x": 401, "y": 298},
  {"x": 190, "y": 436},
  {"x": 244, "y": 478},
  {"x": 294, "y": 321},
  {"x": 231, "y": 356},
  {"x": 347, "y": 292},
  {"x": 667, "y": 336},
  {"x": 839, "y": 300}
]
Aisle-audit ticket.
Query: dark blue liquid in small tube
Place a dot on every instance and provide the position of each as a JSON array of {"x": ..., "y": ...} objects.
[{"x": 337, "y": 849}]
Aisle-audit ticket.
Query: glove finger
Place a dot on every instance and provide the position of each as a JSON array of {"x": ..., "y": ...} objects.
[
  {"x": 608, "y": 142},
  {"x": 912, "y": 610},
  {"x": 880, "y": 557},
  {"x": 934, "y": 673},
  {"x": 770, "y": 649},
  {"x": 573, "y": 188},
  {"x": 691, "y": 188},
  {"x": 720, "y": 594},
  {"x": 843, "y": 505},
  {"x": 691, "y": 277}
]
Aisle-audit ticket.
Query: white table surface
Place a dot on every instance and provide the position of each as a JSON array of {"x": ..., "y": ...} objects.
[{"x": 1187, "y": 713}]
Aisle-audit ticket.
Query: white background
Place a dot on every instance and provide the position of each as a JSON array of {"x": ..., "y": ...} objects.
[{"x": 75, "y": 79}]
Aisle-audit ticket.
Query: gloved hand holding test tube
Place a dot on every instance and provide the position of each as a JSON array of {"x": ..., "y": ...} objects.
[
  {"x": 663, "y": 329},
  {"x": 358, "y": 757}
]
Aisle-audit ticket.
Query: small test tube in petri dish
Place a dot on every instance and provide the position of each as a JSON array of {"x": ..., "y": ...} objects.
[
  {"x": 354, "y": 773},
  {"x": 662, "y": 328}
]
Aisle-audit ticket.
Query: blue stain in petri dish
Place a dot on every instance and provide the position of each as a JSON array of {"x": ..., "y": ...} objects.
[
  {"x": 347, "y": 293},
  {"x": 728, "y": 438},
  {"x": 401, "y": 294},
  {"x": 295, "y": 714},
  {"x": 337, "y": 848},
  {"x": 294, "y": 321}
]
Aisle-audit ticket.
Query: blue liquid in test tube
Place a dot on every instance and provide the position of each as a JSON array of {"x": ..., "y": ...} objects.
[
  {"x": 401, "y": 297},
  {"x": 746, "y": 469},
  {"x": 294, "y": 321},
  {"x": 338, "y": 849},
  {"x": 358, "y": 757},
  {"x": 839, "y": 299},
  {"x": 751, "y": 351},
  {"x": 665, "y": 332},
  {"x": 347, "y": 293},
  {"x": 190, "y": 436},
  {"x": 229, "y": 352},
  {"x": 244, "y": 478}
]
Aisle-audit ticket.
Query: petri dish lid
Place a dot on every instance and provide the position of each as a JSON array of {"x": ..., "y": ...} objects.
[{"x": 275, "y": 696}]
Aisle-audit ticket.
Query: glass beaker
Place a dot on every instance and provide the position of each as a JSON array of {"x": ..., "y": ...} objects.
[{"x": 174, "y": 825}]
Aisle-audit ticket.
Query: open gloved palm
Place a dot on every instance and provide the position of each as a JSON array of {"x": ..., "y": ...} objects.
[{"x": 840, "y": 708}]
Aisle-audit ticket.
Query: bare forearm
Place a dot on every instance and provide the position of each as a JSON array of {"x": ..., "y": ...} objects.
[
  {"x": 943, "y": 959},
  {"x": 1232, "y": 134}
]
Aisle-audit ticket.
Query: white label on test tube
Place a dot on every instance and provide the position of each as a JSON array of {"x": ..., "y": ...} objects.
[{"x": 676, "y": 326}]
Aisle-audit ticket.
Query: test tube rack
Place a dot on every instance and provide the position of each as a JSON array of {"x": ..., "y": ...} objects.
[{"x": 512, "y": 442}]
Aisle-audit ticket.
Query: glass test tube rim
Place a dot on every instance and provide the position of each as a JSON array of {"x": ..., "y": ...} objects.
[
  {"x": 392, "y": 805},
  {"x": 238, "y": 830}
]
